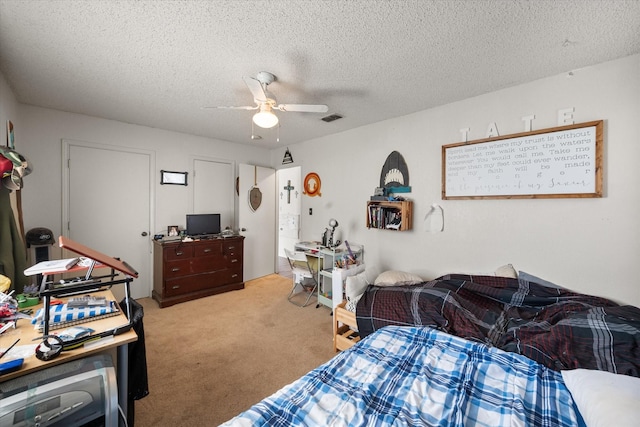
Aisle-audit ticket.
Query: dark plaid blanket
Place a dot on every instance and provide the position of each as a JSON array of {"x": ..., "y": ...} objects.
[{"x": 556, "y": 327}]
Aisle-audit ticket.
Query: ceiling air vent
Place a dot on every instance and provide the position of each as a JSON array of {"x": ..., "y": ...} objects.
[{"x": 331, "y": 118}]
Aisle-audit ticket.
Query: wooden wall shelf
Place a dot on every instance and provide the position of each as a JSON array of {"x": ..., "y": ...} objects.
[{"x": 384, "y": 215}]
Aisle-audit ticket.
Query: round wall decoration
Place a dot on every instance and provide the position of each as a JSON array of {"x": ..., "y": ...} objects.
[
  {"x": 255, "y": 195},
  {"x": 312, "y": 185}
]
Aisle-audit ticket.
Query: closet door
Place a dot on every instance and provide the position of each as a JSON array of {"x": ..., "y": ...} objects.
[
  {"x": 108, "y": 198},
  {"x": 258, "y": 225}
]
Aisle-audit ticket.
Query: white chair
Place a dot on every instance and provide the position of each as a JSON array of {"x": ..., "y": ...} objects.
[{"x": 304, "y": 276}]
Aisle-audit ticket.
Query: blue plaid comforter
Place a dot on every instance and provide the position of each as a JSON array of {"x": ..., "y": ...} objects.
[{"x": 421, "y": 377}]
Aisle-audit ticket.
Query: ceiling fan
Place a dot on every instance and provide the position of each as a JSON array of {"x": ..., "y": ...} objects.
[{"x": 266, "y": 102}]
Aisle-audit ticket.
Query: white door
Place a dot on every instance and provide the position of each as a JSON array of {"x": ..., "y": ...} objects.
[
  {"x": 213, "y": 189},
  {"x": 289, "y": 207},
  {"x": 109, "y": 195},
  {"x": 259, "y": 225}
]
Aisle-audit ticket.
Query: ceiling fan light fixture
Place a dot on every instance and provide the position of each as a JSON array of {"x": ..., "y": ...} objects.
[{"x": 265, "y": 118}]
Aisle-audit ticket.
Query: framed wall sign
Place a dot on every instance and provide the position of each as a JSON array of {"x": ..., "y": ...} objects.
[
  {"x": 564, "y": 161},
  {"x": 174, "y": 178}
]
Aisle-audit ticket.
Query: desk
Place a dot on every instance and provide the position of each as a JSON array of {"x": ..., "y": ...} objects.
[
  {"x": 27, "y": 333},
  {"x": 330, "y": 277}
]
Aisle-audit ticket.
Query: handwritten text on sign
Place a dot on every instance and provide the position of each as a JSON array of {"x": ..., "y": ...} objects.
[{"x": 560, "y": 162}]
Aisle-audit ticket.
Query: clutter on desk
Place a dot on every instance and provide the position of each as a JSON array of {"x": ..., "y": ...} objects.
[
  {"x": 62, "y": 315},
  {"x": 11, "y": 366},
  {"x": 10, "y": 312},
  {"x": 29, "y": 296},
  {"x": 9, "y": 348},
  {"x": 51, "y": 266},
  {"x": 49, "y": 348},
  {"x": 5, "y": 283},
  {"x": 87, "y": 301},
  {"x": 328, "y": 235},
  {"x": 14, "y": 355},
  {"x": 74, "y": 332}
]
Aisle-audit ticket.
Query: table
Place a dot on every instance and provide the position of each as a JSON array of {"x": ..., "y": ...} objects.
[{"x": 29, "y": 335}]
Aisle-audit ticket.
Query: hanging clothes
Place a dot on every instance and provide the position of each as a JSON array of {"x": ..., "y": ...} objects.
[
  {"x": 13, "y": 255},
  {"x": 138, "y": 379}
]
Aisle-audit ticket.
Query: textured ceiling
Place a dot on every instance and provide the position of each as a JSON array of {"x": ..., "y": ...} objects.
[{"x": 156, "y": 63}]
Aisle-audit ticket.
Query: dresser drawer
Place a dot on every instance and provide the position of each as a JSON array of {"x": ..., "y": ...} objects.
[
  {"x": 232, "y": 248},
  {"x": 185, "y": 285},
  {"x": 178, "y": 252},
  {"x": 183, "y": 271},
  {"x": 207, "y": 249},
  {"x": 234, "y": 275},
  {"x": 231, "y": 262},
  {"x": 181, "y": 267},
  {"x": 205, "y": 264}
]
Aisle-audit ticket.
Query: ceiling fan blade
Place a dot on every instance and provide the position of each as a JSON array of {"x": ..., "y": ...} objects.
[
  {"x": 255, "y": 107},
  {"x": 256, "y": 89},
  {"x": 303, "y": 108}
]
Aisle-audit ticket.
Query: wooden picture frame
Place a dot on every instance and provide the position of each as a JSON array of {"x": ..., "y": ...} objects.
[{"x": 559, "y": 162}]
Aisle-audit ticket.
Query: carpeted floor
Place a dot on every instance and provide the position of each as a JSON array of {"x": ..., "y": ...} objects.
[{"x": 211, "y": 358}]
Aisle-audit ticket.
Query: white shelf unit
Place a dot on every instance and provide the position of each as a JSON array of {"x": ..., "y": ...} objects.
[{"x": 334, "y": 273}]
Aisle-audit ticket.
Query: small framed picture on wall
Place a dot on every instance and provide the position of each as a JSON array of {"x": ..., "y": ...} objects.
[{"x": 174, "y": 178}]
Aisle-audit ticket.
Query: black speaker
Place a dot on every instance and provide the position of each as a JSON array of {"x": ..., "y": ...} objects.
[{"x": 38, "y": 254}]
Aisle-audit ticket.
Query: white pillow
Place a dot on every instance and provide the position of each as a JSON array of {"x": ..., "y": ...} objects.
[
  {"x": 396, "y": 278},
  {"x": 522, "y": 275},
  {"x": 506, "y": 271},
  {"x": 354, "y": 287},
  {"x": 604, "y": 399}
]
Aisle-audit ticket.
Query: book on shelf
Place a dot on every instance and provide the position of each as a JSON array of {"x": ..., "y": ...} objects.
[{"x": 51, "y": 266}]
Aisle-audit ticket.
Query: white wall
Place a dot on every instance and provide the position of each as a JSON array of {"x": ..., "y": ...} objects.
[
  {"x": 590, "y": 245},
  {"x": 8, "y": 106},
  {"x": 288, "y": 208},
  {"x": 42, "y": 130}
]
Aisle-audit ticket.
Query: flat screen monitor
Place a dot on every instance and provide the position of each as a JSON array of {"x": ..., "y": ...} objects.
[{"x": 203, "y": 224}]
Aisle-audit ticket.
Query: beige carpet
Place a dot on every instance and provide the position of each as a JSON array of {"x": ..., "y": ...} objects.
[{"x": 212, "y": 358}]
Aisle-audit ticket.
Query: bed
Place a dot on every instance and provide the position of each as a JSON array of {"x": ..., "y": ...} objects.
[
  {"x": 554, "y": 326},
  {"x": 472, "y": 350}
]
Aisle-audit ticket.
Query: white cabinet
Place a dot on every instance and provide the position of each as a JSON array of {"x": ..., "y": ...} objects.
[{"x": 337, "y": 264}]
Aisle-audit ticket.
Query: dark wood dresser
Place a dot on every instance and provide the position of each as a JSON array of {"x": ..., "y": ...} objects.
[{"x": 183, "y": 271}]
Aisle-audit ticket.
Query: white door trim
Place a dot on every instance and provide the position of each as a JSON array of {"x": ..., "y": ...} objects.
[{"x": 66, "y": 147}]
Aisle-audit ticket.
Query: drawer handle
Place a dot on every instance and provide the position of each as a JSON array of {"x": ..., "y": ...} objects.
[
  {"x": 207, "y": 250},
  {"x": 234, "y": 260},
  {"x": 231, "y": 247},
  {"x": 179, "y": 253},
  {"x": 173, "y": 270},
  {"x": 233, "y": 276},
  {"x": 175, "y": 287}
]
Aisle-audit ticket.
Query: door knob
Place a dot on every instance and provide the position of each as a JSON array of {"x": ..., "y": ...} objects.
[
  {"x": 144, "y": 233},
  {"x": 243, "y": 229}
]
